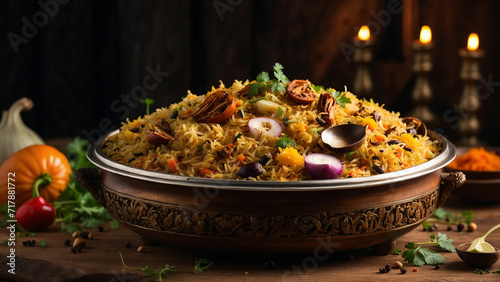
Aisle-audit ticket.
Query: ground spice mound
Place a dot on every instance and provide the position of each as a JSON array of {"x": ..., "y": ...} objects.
[{"x": 477, "y": 159}]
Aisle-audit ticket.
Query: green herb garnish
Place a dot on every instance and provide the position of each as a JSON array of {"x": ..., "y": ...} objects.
[
  {"x": 287, "y": 121},
  {"x": 280, "y": 112},
  {"x": 397, "y": 252},
  {"x": 418, "y": 255},
  {"x": 76, "y": 204},
  {"x": 148, "y": 271},
  {"x": 257, "y": 100},
  {"x": 263, "y": 82},
  {"x": 202, "y": 265},
  {"x": 440, "y": 215},
  {"x": 340, "y": 98},
  {"x": 148, "y": 102},
  {"x": 284, "y": 142},
  {"x": 43, "y": 243},
  {"x": 317, "y": 88},
  {"x": 237, "y": 136}
]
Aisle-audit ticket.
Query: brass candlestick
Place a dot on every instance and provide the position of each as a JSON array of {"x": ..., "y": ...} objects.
[
  {"x": 363, "y": 56},
  {"x": 422, "y": 92},
  {"x": 469, "y": 102}
]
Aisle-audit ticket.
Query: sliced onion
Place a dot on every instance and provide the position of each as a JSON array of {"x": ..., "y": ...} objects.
[
  {"x": 323, "y": 166},
  {"x": 264, "y": 126}
]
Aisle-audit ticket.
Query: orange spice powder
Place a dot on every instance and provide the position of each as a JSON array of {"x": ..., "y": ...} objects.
[{"x": 477, "y": 159}]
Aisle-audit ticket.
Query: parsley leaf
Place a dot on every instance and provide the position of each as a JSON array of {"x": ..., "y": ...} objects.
[
  {"x": 280, "y": 112},
  {"x": 340, "y": 98},
  {"x": 254, "y": 89},
  {"x": 263, "y": 77},
  {"x": 317, "y": 88},
  {"x": 440, "y": 213},
  {"x": 43, "y": 243},
  {"x": 284, "y": 142},
  {"x": 397, "y": 252},
  {"x": 468, "y": 216},
  {"x": 202, "y": 265},
  {"x": 445, "y": 243},
  {"x": 278, "y": 73},
  {"x": 76, "y": 204}
]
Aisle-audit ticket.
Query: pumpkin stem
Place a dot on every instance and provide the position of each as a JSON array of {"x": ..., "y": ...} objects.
[{"x": 43, "y": 180}]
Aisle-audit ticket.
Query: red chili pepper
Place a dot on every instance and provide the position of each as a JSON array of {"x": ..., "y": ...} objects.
[{"x": 37, "y": 213}]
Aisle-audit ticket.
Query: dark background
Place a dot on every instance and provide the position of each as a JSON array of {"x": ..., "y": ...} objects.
[{"x": 79, "y": 62}]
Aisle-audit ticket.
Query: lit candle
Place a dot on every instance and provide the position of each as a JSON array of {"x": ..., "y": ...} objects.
[
  {"x": 364, "y": 33},
  {"x": 473, "y": 42},
  {"x": 425, "y": 35}
]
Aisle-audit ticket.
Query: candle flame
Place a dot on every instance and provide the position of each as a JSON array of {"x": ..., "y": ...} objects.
[
  {"x": 364, "y": 33},
  {"x": 473, "y": 42},
  {"x": 425, "y": 34}
]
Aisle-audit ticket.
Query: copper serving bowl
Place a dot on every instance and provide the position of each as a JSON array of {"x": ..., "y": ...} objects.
[{"x": 271, "y": 216}]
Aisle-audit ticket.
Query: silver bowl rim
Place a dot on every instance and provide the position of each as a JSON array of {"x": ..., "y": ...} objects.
[{"x": 98, "y": 158}]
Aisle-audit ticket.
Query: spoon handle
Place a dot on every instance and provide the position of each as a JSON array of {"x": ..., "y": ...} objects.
[{"x": 491, "y": 230}]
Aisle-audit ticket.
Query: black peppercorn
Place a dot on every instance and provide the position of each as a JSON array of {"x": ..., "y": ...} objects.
[
  {"x": 435, "y": 225},
  {"x": 100, "y": 228},
  {"x": 387, "y": 268},
  {"x": 128, "y": 244},
  {"x": 432, "y": 228},
  {"x": 25, "y": 243},
  {"x": 67, "y": 242},
  {"x": 437, "y": 266},
  {"x": 382, "y": 270},
  {"x": 73, "y": 250},
  {"x": 33, "y": 242},
  {"x": 402, "y": 270},
  {"x": 84, "y": 235},
  {"x": 79, "y": 249},
  {"x": 449, "y": 228},
  {"x": 460, "y": 227}
]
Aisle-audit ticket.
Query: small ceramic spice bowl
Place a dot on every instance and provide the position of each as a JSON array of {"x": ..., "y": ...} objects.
[{"x": 477, "y": 260}]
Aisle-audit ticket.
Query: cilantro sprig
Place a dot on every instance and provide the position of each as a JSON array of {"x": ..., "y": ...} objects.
[
  {"x": 148, "y": 271},
  {"x": 264, "y": 82},
  {"x": 340, "y": 97},
  {"x": 76, "y": 204},
  {"x": 418, "y": 255},
  {"x": 284, "y": 142},
  {"x": 440, "y": 215},
  {"x": 202, "y": 265}
]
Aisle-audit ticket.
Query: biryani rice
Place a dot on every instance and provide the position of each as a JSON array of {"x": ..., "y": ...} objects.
[{"x": 193, "y": 149}]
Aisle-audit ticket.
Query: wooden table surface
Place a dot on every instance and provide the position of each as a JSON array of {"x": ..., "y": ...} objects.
[{"x": 100, "y": 260}]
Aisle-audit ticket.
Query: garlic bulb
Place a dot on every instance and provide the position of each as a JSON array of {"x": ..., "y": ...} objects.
[{"x": 14, "y": 134}]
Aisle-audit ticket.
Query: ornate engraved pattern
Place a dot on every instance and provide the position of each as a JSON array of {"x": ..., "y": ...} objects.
[{"x": 241, "y": 225}]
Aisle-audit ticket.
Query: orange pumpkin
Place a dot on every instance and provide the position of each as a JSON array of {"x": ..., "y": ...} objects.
[{"x": 25, "y": 166}]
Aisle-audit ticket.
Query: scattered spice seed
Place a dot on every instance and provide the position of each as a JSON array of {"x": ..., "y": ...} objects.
[
  {"x": 436, "y": 266},
  {"x": 397, "y": 265},
  {"x": 449, "y": 228},
  {"x": 73, "y": 250},
  {"x": 382, "y": 270},
  {"x": 67, "y": 242},
  {"x": 460, "y": 227},
  {"x": 79, "y": 249},
  {"x": 403, "y": 270},
  {"x": 75, "y": 234},
  {"x": 415, "y": 270},
  {"x": 128, "y": 244},
  {"x": 25, "y": 243},
  {"x": 33, "y": 242},
  {"x": 141, "y": 249},
  {"x": 100, "y": 228},
  {"x": 84, "y": 235},
  {"x": 471, "y": 227},
  {"x": 432, "y": 228},
  {"x": 90, "y": 236},
  {"x": 435, "y": 225},
  {"x": 387, "y": 268}
]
